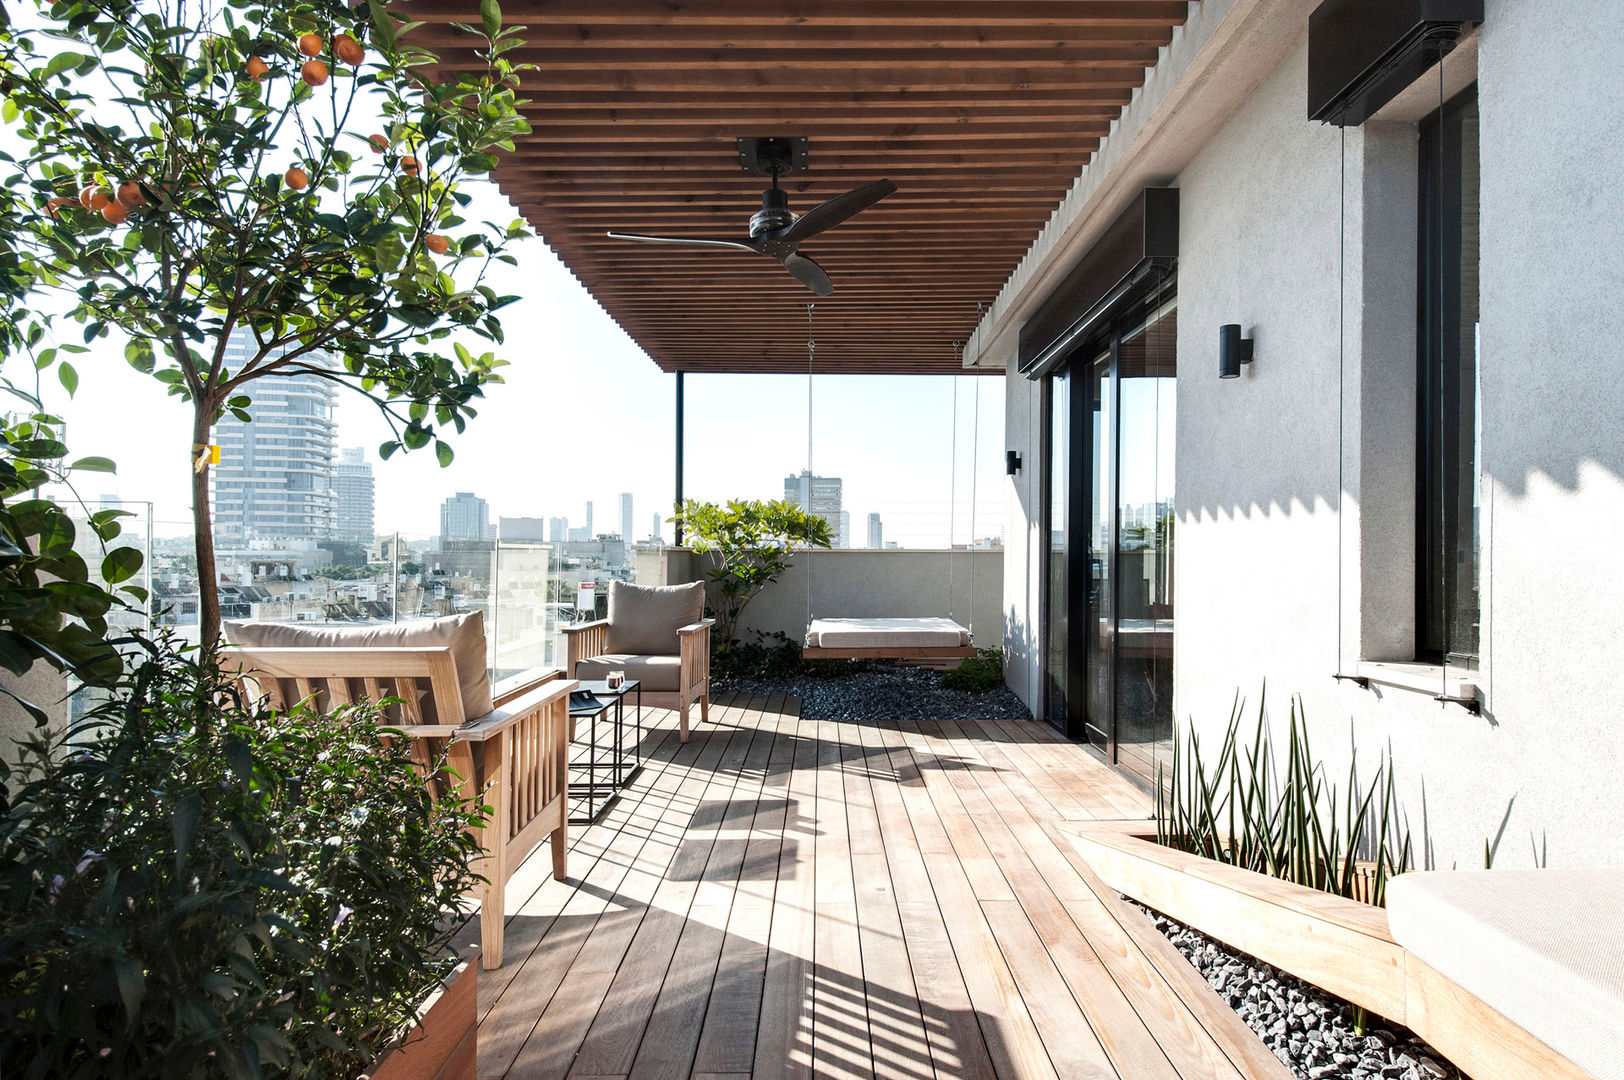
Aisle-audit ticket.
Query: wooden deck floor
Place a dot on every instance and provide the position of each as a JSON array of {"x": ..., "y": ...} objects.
[{"x": 786, "y": 898}]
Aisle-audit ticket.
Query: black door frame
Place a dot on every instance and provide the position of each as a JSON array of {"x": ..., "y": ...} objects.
[{"x": 1078, "y": 368}]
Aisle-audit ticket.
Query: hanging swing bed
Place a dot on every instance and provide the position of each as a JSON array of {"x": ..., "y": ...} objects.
[{"x": 928, "y": 640}]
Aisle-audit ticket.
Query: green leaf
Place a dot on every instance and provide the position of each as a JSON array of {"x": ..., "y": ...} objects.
[
  {"x": 8, "y": 111},
  {"x": 183, "y": 819},
  {"x": 443, "y": 451},
  {"x": 383, "y": 25},
  {"x": 414, "y": 315},
  {"x": 64, "y": 61},
  {"x": 95, "y": 464},
  {"x": 387, "y": 450},
  {"x": 121, "y": 564},
  {"x": 139, "y": 354},
  {"x": 132, "y": 985},
  {"x": 68, "y": 377},
  {"x": 490, "y": 13}
]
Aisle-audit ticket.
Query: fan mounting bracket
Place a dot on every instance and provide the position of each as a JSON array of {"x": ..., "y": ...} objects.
[{"x": 773, "y": 155}]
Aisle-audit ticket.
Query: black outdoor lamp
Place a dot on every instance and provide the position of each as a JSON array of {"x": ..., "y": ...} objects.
[{"x": 1233, "y": 351}]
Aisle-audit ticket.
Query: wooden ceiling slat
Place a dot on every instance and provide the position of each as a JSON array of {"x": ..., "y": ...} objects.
[
  {"x": 982, "y": 113},
  {"x": 615, "y": 37},
  {"x": 712, "y": 60},
  {"x": 1071, "y": 14},
  {"x": 608, "y": 78}
]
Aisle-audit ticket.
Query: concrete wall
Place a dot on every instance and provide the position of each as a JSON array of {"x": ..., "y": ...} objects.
[
  {"x": 1295, "y": 545},
  {"x": 860, "y": 583}
]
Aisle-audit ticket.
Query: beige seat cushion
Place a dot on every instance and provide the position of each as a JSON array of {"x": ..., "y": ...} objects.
[
  {"x": 464, "y": 633},
  {"x": 644, "y": 619},
  {"x": 657, "y": 674},
  {"x": 1545, "y": 948}
]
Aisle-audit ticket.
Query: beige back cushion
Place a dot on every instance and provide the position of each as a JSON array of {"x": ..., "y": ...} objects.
[
  {"x": 644, "y": 619},
  {"x": 464, "y": 633}
]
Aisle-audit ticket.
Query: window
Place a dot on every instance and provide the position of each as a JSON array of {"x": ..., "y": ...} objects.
[{"x": 1448, "y": 435}]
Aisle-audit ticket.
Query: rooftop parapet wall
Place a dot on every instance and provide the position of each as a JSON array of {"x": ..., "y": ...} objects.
[{"x": 899, "y": 583}]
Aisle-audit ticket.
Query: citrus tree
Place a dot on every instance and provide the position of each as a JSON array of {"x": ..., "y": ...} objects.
[
  {"x": 753, "y": 541},
  {"x": 287, "y": 173}
]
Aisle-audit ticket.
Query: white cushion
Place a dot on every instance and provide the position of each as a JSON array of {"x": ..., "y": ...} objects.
[
  {"x": 886, "y": 634},
  {"x": 1544, "y": 948}
]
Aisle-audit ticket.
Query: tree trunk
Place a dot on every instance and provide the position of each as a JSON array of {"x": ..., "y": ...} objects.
[{"x": 208, "y": 584}]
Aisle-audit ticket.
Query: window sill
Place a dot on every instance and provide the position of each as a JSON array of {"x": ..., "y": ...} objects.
[{"x": 1430, "y": 679}]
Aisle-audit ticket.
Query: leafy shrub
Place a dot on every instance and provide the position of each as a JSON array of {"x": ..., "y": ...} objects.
[
  {"x": 774, "y": 656},
  {"x": 52, "y": 608},
  {"x": 1241, "y": 809},
  {"x": 979, "y": 674},
  {"x": 753, "y": 541},
  {"x": 195, "y": 887}
]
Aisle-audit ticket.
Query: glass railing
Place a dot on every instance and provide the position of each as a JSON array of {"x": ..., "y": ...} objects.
[{"x": 526, "y": 590}]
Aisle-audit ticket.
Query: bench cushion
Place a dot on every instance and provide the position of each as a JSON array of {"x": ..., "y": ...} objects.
[
  {"x": 644, "y": 619},
  {"x": 1544, "y": 948},
  {"x": 657, "y": 674},
  {"x": 464, "y": 633},
  {"x": 886, "y": 634}
]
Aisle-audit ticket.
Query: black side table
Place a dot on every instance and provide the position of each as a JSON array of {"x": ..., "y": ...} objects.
[{"x": 608, "y": 767}]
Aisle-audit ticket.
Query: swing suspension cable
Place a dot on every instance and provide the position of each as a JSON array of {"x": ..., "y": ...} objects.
[
  {"x": 811, "y": 350},
  {"x": 953, "y": 483},
  {"x": 975, "y": 456}
]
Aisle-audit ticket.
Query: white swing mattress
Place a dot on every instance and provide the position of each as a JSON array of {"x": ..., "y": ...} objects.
[{"x": 886, "y": 634}]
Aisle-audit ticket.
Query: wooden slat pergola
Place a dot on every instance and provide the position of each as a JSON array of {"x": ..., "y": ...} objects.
[{"x": 982, "y": 112}]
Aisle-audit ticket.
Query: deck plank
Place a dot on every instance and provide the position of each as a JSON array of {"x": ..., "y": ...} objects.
[
  {"x": 781, "y": 898},
  {"x": 527, "y": 1030}
]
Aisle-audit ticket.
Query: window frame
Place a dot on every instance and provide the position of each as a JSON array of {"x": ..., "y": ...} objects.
[{"x": 1441, "y": 529}]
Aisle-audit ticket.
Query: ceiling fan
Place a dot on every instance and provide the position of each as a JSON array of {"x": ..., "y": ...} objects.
[{"x": 775, "y": 231}]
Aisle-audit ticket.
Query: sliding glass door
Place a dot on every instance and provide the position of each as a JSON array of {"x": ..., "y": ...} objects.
[{"x": 1109, "y": 582}]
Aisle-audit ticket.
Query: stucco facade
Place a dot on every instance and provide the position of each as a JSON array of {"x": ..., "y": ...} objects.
[{"x": 1296, "y": 491}]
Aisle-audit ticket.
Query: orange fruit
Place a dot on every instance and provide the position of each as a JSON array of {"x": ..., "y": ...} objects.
[
  {"x": 115, "y": 214},
  {"x": 408, "y": 165},
  {"x": 257, "y": 67},
  {"x": 93, "y": 198},
  {"x": 379, "y": 143},
  {"x": 437, "y": 243},
  {"x": 54, "y": 206},
  {"x": 314, "y": 72},
  {"x": 348, "y": 50},
  {"x": 297, "y": 179},
  {"x": 129, "y": 195},
  {"x": 310, "y": 44}
]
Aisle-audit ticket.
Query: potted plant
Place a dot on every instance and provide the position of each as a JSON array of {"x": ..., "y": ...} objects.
[{"x": 192, "y": 885}]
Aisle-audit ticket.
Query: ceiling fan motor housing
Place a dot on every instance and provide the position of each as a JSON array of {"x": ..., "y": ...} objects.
[{"x": 774, "y": 213}]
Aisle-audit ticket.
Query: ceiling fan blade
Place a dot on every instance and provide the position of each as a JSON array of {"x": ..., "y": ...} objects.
[
  {"x": 809, "y": 273},
  {"x": 681, "y": 241},
  {"x": 826, "y": 215}
]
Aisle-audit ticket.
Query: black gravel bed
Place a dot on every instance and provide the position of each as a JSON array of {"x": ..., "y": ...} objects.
[
  {"x": 1310, "y": 1031},
  {"x": 888, "y": 692}
]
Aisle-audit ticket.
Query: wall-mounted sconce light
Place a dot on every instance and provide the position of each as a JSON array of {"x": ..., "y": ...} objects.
[
  {"x": 1233, "y": 351},
  {"x": 1012, "y": 462}
]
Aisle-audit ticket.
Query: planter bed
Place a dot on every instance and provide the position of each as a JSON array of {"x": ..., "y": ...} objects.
[
  {"x": 444, "y": 1043},
  {"x": 1310, "y": 1031},
  {"x": 1339, "y": 945}
]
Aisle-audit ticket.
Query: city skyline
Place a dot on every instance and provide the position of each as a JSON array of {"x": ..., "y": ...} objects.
[{"x": 892, "y": 438}]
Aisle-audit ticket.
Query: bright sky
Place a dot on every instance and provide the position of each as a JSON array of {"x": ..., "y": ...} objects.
[{"x": 585, "y": 414}]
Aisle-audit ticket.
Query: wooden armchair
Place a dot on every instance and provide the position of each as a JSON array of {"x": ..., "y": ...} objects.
[
  {"x": 656, "y": 635},
  {"x": 516, "y": 755}
]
